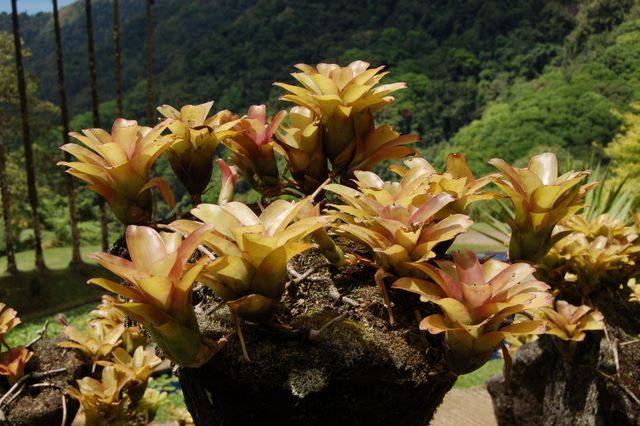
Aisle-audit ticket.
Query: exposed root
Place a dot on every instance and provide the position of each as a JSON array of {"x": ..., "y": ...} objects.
[
  {"x": 379, "y": 277},
  {"x": 40, "y": 334},
  {"x": 315, "y": 335},
  {"x": 237, "y": 321},
  {"x": 339, "y": 298},
  {"x": 17, "y": 388}
]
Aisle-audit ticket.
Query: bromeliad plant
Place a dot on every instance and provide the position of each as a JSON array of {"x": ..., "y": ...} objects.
[
  {"x": 159, "y": 286},
  {"x": 252, "y": 252},
  {"x": 343, "y": 99},
  {"x": 117, "y": 167},
  {"x": 397, "y": 220},
  {"x": 568, "y": 323},
  {"x": 116, "y": 390},
  {"x": 457, "y": 180},
  {"x": 194, "y": 139},
  {"x": 477, "y": 301},
  {"x": 600, "y": 251},
  {"x": 253, "y": 146},
  {"x": 541, "y": 199},
  {"x": 14, "y": 360},
  {"x": 96, "y": 344},
  {"x": 334, "y": 121}
]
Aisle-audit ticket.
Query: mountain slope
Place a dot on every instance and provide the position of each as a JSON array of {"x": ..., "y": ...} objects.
[{"x": 232, "y": 51}]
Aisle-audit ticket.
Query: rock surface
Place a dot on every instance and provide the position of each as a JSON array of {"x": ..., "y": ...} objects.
[
  {"x": 361, "y": 371},
  {"x": 600, "y": 385},
  {"x": 43, "y": 406}
]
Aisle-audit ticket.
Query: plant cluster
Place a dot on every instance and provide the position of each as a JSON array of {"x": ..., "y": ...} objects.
[
  {"x": 602, "y": 251},
  {"x": 121, "y": 364},
  {"x": 327, "y": 147}
]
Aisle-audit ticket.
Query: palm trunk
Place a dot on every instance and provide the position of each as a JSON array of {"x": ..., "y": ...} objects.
[
  {"x": 12, "y": 266},
  {"x": 76, "y": 258},
  {"x": 26, "y": 140},
  {"x": 116, "y": 45},
  {"x": 149, "y": 34},
  {"x": 96, "y": 112}
]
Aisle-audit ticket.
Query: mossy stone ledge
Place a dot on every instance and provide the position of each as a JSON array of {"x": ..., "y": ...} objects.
[{"x": 361, "y": 370}]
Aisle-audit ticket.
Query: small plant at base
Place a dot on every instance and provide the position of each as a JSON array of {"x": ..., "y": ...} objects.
[
  {"x": 8, "y": 320},
  {"x": 96, "y": 344},
  {"x": 102, "y": 400},
  {"x": 477, "y": 301},
  {"x": 568, "y": 323},
  {"x": 138, "y": 368},
  {"x": 13, "y": 362},
  {"x": 110, "y": 316}
]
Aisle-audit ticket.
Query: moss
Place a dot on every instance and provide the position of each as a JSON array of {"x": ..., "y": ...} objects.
[{"x": 302, "y": 383}]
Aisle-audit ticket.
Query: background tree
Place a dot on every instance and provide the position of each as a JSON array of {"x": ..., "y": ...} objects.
[
  {"x": 625, "y": 149},
  {"x": 116, "y": 50},
  {"x": 76, "y": 258},
  {"x": 12, "y": 266},
  {"x": 95, "y": 110},
  {"x": 149, "y": 50},
  {"x": 26, "y": 140}
]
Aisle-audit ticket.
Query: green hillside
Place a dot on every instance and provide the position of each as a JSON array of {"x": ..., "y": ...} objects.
[
  {"x": 232, "y": 51},
  {"x": 487, "y": 77}
]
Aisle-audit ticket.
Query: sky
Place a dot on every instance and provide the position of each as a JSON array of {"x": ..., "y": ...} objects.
[{"x": 32, "y": 6}]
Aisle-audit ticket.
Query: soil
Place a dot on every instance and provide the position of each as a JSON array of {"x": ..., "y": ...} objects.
[
  {"x": 43, "y": 406},
  {"x": 362, "y": 370}
]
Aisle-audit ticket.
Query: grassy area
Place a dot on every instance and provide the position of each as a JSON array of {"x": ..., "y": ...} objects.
[
  {"x": 480, "y": 376},
  {"x": 55, "y": 258},
  {"x": 28, "y": 330},
  {"x": 60, "y": 287}
]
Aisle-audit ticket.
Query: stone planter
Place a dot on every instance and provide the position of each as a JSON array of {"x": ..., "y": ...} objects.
[
  {"x": 360, "y": 370},
  {"x": 600, "y": 385}
]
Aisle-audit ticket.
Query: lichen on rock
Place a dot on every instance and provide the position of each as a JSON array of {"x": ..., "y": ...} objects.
[{"x": 302, "y": 383}]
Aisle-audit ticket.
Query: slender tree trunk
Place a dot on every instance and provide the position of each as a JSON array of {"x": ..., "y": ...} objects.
[
  {"x": 76, "y": 258},
  {"x": 149, "y": 49},
  {"x": 26, "y": 140},
  {"x": 12, "y": 266},
  {"x": 116, "y": 45},
  {"x": 96, "y": 112}
]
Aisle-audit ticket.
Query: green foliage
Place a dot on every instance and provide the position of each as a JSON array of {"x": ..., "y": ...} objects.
[
  {"x": 565, "y": 108},
  {"x": 232, "y": 51},
  {"x": 625, "y": 148}
]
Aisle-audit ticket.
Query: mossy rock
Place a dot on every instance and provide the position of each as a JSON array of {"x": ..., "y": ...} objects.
[{"x": 361, "y": 370}]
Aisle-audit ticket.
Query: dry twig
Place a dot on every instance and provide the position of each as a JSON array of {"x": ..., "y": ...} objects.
[{"x": 40, "y": 334}]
